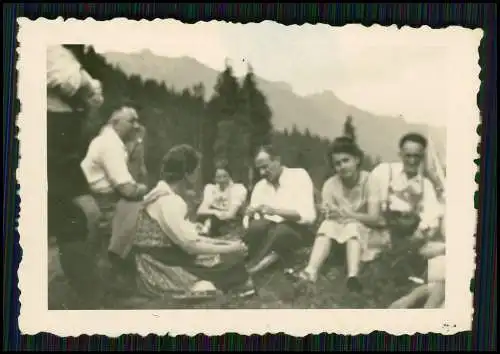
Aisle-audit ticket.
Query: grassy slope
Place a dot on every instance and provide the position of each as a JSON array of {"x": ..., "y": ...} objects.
[{"x": 275, "y": 290}]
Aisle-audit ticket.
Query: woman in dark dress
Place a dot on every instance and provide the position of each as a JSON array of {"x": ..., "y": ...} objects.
[{"x": 170, "y": 255}]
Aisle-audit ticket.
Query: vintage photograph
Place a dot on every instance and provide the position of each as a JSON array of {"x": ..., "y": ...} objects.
[{"x": 254, "y": 167}]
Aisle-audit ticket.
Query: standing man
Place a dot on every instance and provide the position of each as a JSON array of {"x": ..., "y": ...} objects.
[
  {"x": 280, "y": 213},
  {"x": 106, "y": 168},
  {"x": 72, "y": 94}
]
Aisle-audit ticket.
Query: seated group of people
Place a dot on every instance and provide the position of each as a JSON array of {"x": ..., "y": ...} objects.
[
  {"x": 369, "y": 213},
  {"x": 392, "y": 207}
]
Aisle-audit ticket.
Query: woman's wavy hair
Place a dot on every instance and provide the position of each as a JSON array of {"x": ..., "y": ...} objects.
[
  {"x": 179, "y": 161},
  {"x": 344, "y": 145}
]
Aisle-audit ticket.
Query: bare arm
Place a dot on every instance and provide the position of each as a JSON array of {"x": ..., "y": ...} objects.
[
  {"x": 236, "y": 202},
  {"x": 204, "y": 208},
  {"x": 373, "y": 216},
  {"x": 117, "y": 171}
]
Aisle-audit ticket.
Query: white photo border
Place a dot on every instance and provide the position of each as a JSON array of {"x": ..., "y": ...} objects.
[{"x": 462, "y": 141}]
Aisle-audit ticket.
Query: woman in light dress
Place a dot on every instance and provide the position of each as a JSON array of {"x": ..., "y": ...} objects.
[
  {"x": 349, "y": 217},
  {"x": 222, "y": 203},
  {"x": 170, "y": 255}
]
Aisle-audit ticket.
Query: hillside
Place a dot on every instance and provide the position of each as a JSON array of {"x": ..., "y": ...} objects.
[{"x": 323, "y": 114}]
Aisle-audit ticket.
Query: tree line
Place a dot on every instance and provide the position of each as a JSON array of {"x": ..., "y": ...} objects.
[{"x": 229, "y": 126}]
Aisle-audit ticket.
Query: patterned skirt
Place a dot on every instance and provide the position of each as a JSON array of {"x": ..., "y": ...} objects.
[{"x": 164, "y": 267}]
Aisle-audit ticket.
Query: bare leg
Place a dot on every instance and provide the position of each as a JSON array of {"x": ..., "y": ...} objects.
[
  {"x": 319, "y": 253},
  {"x": 353, "y": 257},
  {"x": 436, "y": 296},
  {"x": 412, "y": 298}
]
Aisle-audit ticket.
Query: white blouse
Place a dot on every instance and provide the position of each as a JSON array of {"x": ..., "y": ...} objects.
[{"x": 213, "y": 197}]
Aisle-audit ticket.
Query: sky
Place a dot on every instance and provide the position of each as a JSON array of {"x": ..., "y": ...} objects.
[{"x": 428, "y": 76}]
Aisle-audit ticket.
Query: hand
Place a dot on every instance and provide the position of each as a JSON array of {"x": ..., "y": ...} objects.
[
  {"x": 331, "y": 212},
  {"x": 267, "y": 210},
  {"x": 241, "y": 247},
  {"x": 142, "y": 189},
  {"x": 222, "y": 215},
  {"x": 419, "y": 238},
  {"x": 432, "y": 249},
  {"x": 251, "y": 210},
  {"x": 345, "y": 213}
]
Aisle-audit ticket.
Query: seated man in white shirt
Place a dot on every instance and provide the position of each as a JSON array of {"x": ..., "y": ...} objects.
[
  {"x": 280, "y": 213},
  {"x": 105, "y": 166}
]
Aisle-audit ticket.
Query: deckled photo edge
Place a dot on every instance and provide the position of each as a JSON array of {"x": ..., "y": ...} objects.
[{"x": 33, "y": 38}]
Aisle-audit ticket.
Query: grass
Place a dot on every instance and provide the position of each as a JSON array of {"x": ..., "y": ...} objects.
[{"x": 275, "y": 290}]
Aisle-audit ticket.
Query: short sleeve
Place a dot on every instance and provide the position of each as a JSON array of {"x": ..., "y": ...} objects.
[
  {"x": 327, "y": 191},
  {"x": 239, "y": 195},
  {"x": 208, "y": 194},
  {"x": 114, "y": 163},
  {"x": 432, "y": 209},
  {"x": 256, "y": 197},
  {"x": 375, "y": 183},
  {"x": 305, "y": 195}
]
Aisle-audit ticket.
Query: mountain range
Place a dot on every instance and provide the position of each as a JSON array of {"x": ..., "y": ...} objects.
[{"x": 322, "y": 114}]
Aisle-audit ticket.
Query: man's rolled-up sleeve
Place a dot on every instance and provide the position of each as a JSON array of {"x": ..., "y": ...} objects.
[
  {"x": 304, "y": 200},
  {"x": 432, "y": 208},
  {"x": 113, "y": 162}
]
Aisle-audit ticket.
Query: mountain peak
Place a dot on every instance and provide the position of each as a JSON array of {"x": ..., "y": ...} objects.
[{"x": 322, "y": 113}]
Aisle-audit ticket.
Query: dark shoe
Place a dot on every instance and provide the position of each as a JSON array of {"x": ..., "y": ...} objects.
[
  {"x": 354, "y": 285},
  {"x": 246, "y": 290},
  {"x": 265, "y": 263}
]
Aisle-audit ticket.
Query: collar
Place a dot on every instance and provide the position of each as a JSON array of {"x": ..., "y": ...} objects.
[
  {"x": 279, "y": 182},
  {"x": 397, "y": 169},
  {"x": 111, "y": 133}
]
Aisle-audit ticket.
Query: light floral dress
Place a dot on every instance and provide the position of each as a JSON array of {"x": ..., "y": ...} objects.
[{"x": 335, "y": 195}]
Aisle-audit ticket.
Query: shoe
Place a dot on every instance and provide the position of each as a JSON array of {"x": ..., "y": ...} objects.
[
  {"x": 246, "y": 290},
  {"x": 266, "y": 262},
  {"x": 354, "y": 285}
]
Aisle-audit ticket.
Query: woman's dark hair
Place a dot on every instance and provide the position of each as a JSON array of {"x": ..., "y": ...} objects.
[
  {"x": 413, "y": 137},
  {"x": 222, "y": 165},
  {"x": 344, "y": 145},
  {"x": 179, "y": 161}
]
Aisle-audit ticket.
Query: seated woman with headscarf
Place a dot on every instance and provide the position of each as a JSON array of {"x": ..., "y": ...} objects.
[
  {"x": 221, "y": 202},
  {"x": 170, "y": 255},
  {"x": 348, "y": 217}
]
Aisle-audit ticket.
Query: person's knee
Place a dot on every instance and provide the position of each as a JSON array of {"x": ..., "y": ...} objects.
[
  {"x": 353, "y": 242},
  {"x": 283, "y": 238},
  {"x": 257, "y": 228},
  {"x": 323, "y": 242}
]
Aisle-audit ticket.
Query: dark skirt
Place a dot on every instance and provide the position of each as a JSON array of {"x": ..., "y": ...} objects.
[{"x": 228, "y": 273}]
